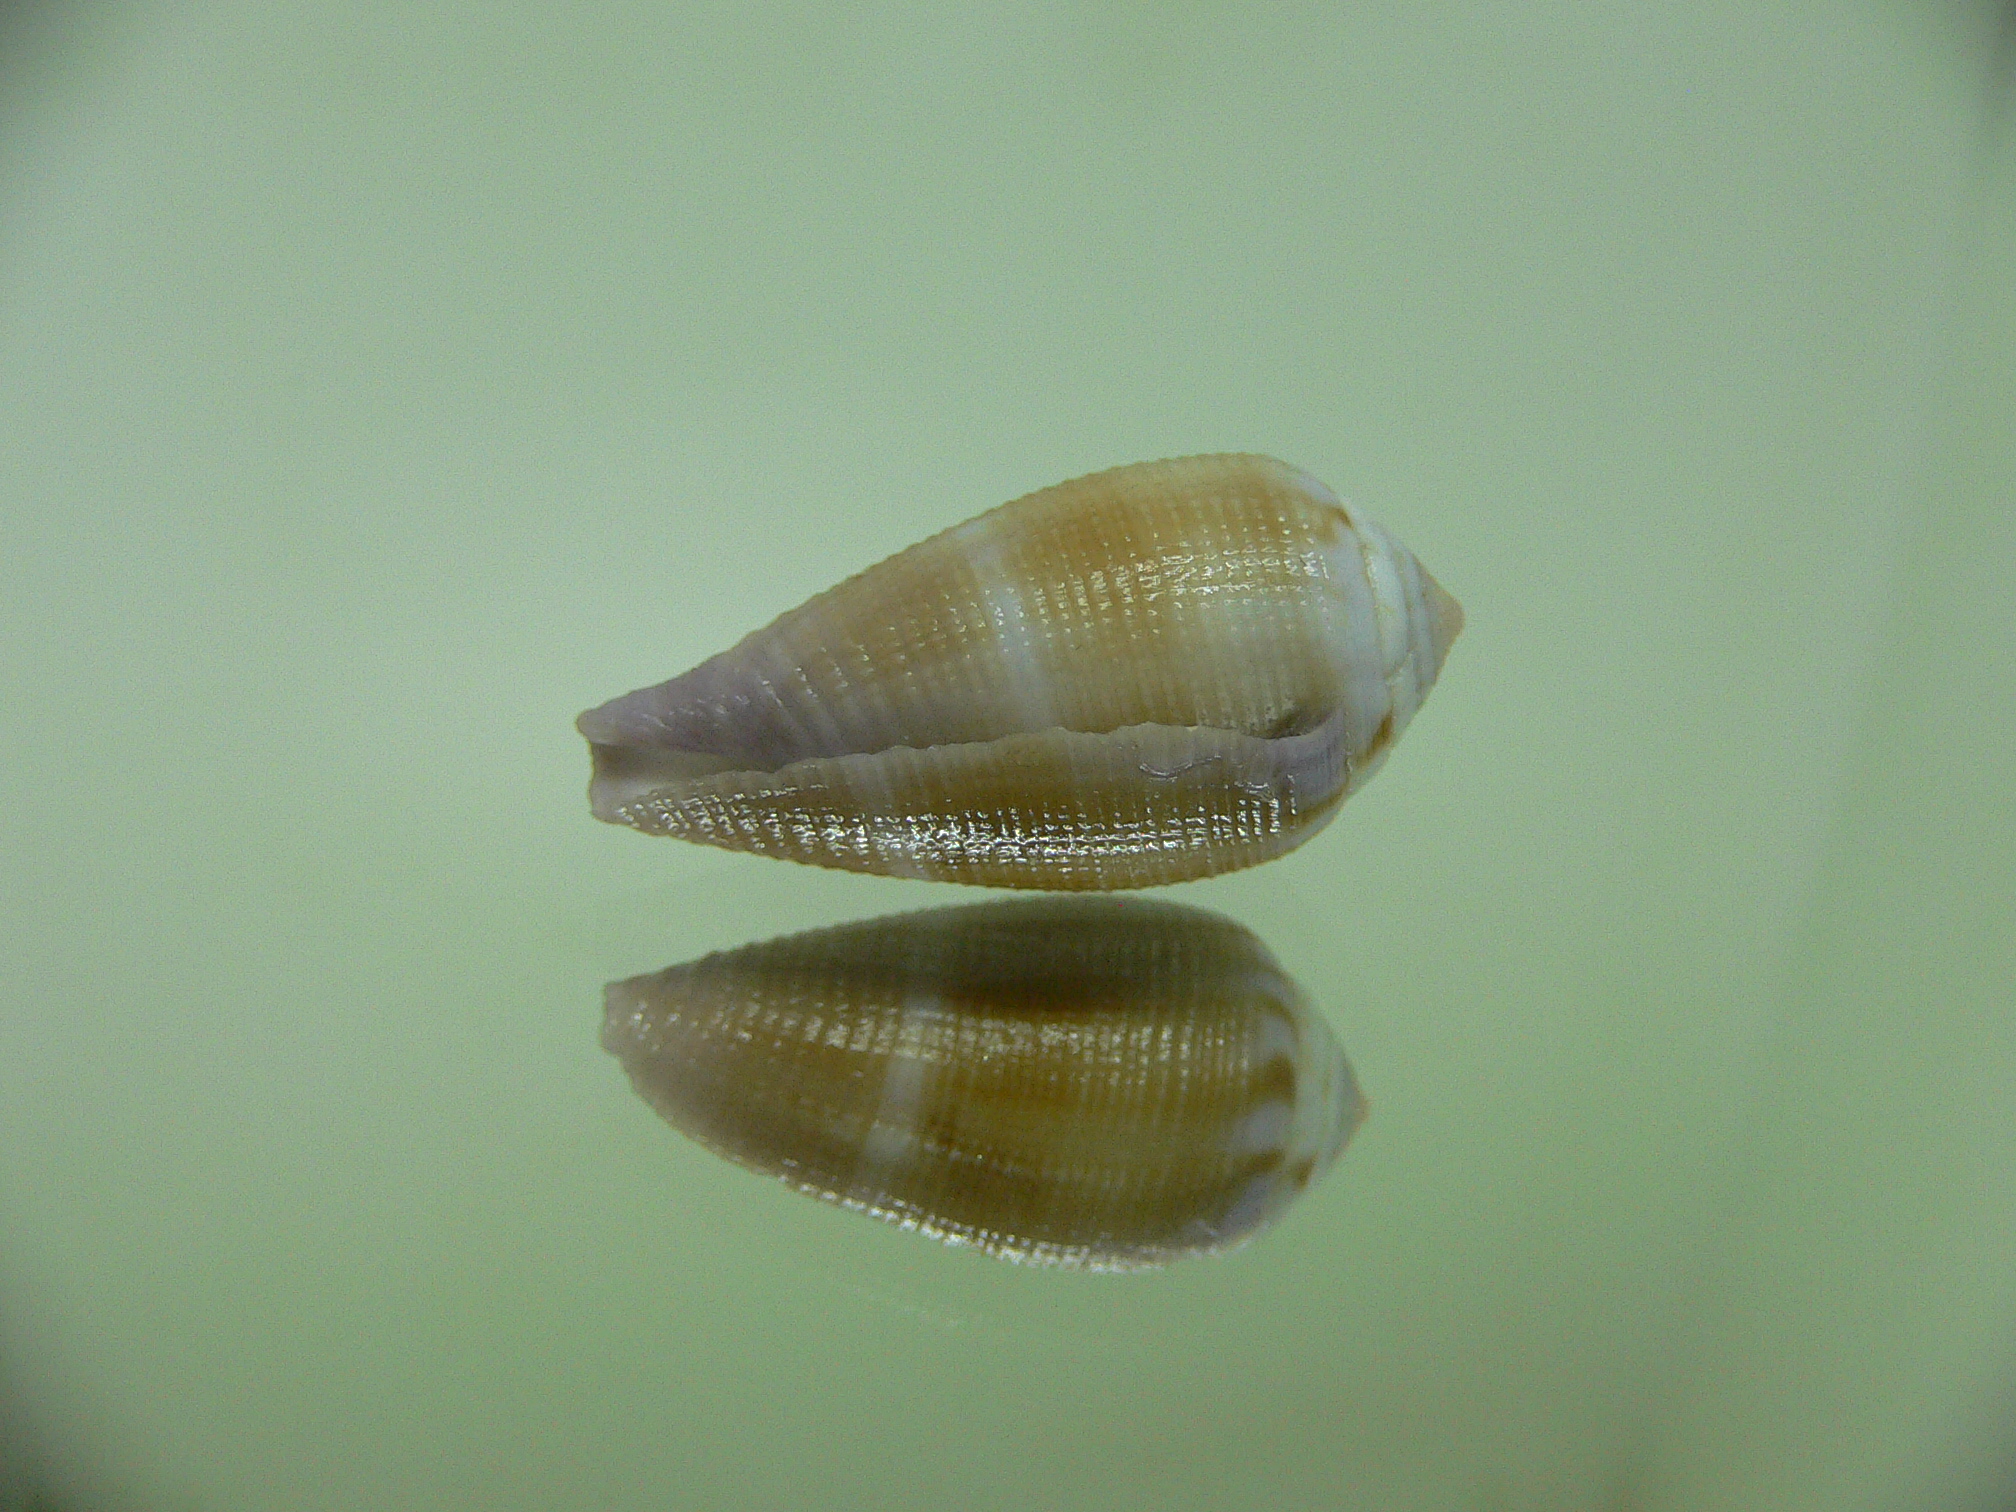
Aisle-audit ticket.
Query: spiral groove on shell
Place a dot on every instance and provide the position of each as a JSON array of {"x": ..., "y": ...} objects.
[
  {"x": 1146, "y": 675},
  {"x": 1091, "y": 1083}
]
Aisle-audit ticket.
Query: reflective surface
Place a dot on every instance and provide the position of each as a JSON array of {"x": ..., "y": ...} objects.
[
  {"x": 380, "y": 386},
  {"x": 1088, "y": 1083}
]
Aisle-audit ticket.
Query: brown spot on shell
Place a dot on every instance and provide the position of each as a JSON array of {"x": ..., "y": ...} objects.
[
  {"x": 1381, "y": 738},
  {"x": 1275, "y": 1080}
]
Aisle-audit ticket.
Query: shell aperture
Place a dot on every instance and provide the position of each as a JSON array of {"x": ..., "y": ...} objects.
[
  {"x": 1092, "y": 1083},
  {"x": 1147, "y": 675}
]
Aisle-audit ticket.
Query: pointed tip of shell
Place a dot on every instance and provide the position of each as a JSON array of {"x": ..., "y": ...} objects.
[{"x": 1445, "y": 619}]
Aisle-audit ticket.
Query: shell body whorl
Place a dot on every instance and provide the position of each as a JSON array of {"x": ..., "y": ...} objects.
[
  {"x": 1146, "y": 675},
  {"x": 1092, "y": 1083}
]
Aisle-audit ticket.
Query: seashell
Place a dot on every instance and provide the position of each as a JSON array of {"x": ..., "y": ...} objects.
[
  {"x": 1064, "y": 1081},
  {"x": 1144, "y": 676}
]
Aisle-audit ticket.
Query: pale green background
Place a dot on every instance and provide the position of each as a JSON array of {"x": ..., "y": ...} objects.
[{"x": 380, "y": 385}]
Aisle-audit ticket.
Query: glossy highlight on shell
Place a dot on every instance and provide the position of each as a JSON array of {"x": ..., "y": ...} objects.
[
  {"x": 1093, "y": 1083},
  {"x": 1147, "y": 675}
]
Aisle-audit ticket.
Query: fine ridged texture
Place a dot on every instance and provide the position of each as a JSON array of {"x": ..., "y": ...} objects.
[
  {"x": 1079, "y": 1082},
  {"x": 1147, "y": 675}
]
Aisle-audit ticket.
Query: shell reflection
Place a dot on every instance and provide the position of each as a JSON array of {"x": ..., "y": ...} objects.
[
  {"x": 1081, "y": 1082},
  {"x": 1146, "y": 675}
]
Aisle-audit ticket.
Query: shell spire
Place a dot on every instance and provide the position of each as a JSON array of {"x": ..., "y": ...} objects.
[{"x": 1146, "y": 675}]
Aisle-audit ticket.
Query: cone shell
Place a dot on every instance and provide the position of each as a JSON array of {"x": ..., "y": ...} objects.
[
  {"x": 1077, "y": 1082},
  {"x": 1147, "y": 675}
]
